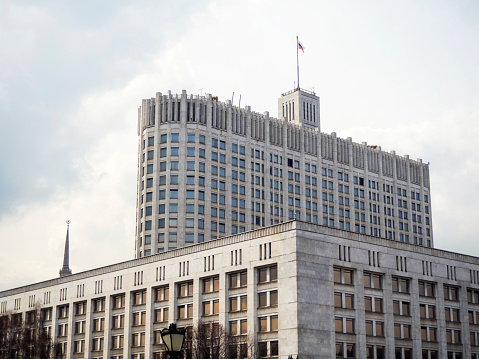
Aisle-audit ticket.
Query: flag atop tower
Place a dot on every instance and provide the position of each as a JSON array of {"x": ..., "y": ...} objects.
[{"x": 301, "y": 47}]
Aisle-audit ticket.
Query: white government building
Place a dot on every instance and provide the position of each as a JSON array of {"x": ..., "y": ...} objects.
[
  {"x": 207, "y": 169},
  {"x": 293, "y": 274}
]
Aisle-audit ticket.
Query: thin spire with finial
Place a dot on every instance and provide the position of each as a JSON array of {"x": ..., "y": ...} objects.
[{"x": 65, "y": 271}]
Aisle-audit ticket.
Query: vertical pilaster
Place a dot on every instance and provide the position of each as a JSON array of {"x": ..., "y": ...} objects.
[
  {"x": 107, "y": 327},
  {"x": 127, "y": 329},
  {"x": 149, "y": 339},
  {"x": 88, "y": 328}
]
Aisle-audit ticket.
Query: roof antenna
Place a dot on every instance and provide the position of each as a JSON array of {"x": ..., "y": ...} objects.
[
  {"x": 232, "y": 97},
  {"x": 66, "y": 271},
  {"x": 239, "y": 105}
]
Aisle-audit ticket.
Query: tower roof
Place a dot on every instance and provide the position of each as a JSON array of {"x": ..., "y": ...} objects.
[{"x": 66, "y": 256}]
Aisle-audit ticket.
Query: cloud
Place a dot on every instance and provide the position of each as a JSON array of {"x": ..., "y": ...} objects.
[
  {"x": 71, "y": 80},
  {"x": 100, "y": 203},
  {"x": 53, "y": 58}
]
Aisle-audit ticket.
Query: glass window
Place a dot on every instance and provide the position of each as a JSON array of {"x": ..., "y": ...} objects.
[
  {"x": 190, "y": 151},
  {"x": 426, "y": 289},
  {"x": 262, "y": 299},
  {"x": 161, "y": 223},
  {"x": 263, "y": 324},
  {"x": 190, "y": 165},
  {"x": 273, "y": 298},
  {"x": 343, "y": 276},
  {"x": 372, "y": 280}
]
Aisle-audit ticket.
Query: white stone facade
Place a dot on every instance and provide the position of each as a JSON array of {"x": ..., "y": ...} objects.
[
  {"x": 207, "y": 169},
  {"x": 331, "y": 291}
]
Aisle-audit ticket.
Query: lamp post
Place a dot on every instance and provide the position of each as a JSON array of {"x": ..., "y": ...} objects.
[{"x": 173, "y": 339}]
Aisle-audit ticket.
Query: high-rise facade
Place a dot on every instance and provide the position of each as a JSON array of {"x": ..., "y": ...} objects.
[{"x": 207, "y": 169}]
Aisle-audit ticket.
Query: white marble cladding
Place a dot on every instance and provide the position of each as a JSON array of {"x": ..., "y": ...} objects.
[
  {"x": 306, "y": 257},
  {"x": 300, "y": 107},
  {"x": 207, "y": 169}
]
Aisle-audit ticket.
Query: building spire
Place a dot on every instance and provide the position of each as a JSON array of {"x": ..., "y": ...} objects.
[{"x": 65, "y": 271}]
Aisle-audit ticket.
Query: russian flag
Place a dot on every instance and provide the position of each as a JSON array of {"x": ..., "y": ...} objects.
[{"x": 300, "y": 46}]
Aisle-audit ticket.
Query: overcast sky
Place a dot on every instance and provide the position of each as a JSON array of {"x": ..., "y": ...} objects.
[{"x": 400, "y": 74}]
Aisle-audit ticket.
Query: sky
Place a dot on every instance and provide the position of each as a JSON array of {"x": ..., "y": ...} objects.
[{"x": 403, "y": 75}]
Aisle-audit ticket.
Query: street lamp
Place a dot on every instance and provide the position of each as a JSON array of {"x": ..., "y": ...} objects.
[{"x": 173, "y": 339}]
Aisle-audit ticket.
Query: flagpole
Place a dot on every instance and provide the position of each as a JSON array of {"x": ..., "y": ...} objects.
[{"x": 297, "y": 58}]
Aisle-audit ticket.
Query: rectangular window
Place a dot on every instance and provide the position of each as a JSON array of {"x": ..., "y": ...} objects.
[
  {"x": 472, "y": 296},
  {"x": 401, "y": 308},
  {"x": 400, "y": 285},
  {"x": 372, "y": 280},
  {"x": 118, "y": 321},
  {"x": 139, "y": 318},
  {"x": 268, "y": 274},
  {"x": 344, "y": 325},
  {"x": 452, "y": 314},
  {"x": 343, "y": 276},
  {"x": 263, "y": 324},
  {"x": 373, "y": 304},
  {"x": 139, "y": 297},
  {"x": 451, "y": 293},
  {"x": 426, "y": 289},
  {"x": 402, "y": 331},
  {"x": 185, "y": 289},
  {"x": 344, "y": 300},
  {"x": 453, "y": 336}
]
